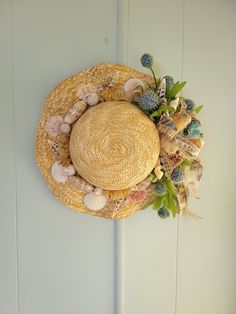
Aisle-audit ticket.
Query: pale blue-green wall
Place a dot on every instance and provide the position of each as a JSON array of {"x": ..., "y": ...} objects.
[{"x": 53, "y": 260}]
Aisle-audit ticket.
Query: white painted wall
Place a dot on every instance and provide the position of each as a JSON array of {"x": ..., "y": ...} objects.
[{"x": 53, "y": 260}]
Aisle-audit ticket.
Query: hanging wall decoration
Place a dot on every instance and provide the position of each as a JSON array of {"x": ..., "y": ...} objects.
[{"x": 112, "y": 140}]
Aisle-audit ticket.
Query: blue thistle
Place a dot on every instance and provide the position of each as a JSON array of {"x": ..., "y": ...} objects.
[
  {"x": 190, "y": 104},
  {"x": 147, "y": 60},
  {"x": 163, "y": 213},
  {"x": 149, "y": 102},
  {"x": 160, "y": 188},
  {"x": 169, "y": 81},
  {"x": 177, "y": 175}
]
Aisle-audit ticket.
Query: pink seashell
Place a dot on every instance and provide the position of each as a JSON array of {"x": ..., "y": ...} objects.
[
  {"x": 138, "y": 196},
  {"x": 65, "y": 128},
  {"x": 86, "y": 89},
  {"x": 58, "y": 172},
  {"x": 53, "y": 125},
  {"x": 92, "y": 99},
  {"x": 132, "y": 84},
  {"x": 75, "y": 112}
]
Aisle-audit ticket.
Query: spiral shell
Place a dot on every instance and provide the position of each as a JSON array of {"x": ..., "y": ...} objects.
[
  {"x": 80, "y": 183},
  {"x": 75, "y": 112},
  {"x": 161, "y": 90},
  {"x": 95, "y": 200},
  {"x": 117, "y": 194},
  {"x": 54, "y": 147},
  {"x": 53, "y": 125},
  {"x": 132, "y": 84}
]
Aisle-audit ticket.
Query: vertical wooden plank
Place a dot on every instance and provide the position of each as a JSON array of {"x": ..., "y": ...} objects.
[
  {"x": 150, "y": 247},
  {"x": 207, "y": 251},
  {"x": 8, "y": 253},
  {"x": 66, "y": 259}
]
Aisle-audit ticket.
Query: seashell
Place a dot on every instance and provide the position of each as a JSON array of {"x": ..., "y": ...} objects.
[
  {"x": 92, "y": 99},
  {"x": 132, "y": 85},
  {"x": 69, "y": 170},
  {"x": 192, "y": 177},
  {"x": 86, "y": 89},
  {"x": 117, "y": 194},
  {"x": 157, "y": 169},
  {"x": 75, "y": 112},
  {"x": 158, "y": 172},
  {"x": 117, "y": 93},
  {"x": 167, "y": 129},
  {"x": 191, "y": 214},
  {"x": 144, "y": 184},
  {"x": 187, "y": 146},
  {"x": 80, "y": 183},
  {"x": 163, "y": 101},
  {"x": 181, "y": 120},
  {"x": 174, "y": 103},
  {"x": 111, "y": 80},
  {"x": 161, "y": 90},
  {"x": 95, "y": 200},
  {"x": 118, "y": 205},
  {"x": 194, "y": 129},
  {"x": 170, "y": 161},
  {"x": 168, "y": 146},
  {"x": 65, "y": 128},
  {"x": 53, "y": 125},
  {"x": 58, "y": 172},
  {"x": 138, "y": 196},
  {"x": 54, "y": 146}
]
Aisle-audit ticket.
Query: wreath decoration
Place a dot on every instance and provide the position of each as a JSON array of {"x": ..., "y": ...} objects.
[{"x": 112, "y": 140}]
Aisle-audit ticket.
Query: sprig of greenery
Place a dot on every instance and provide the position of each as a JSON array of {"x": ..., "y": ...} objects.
[
  {"x": 169, "y": 199},
  {"x": 160, "y": 110},
  {"x": 198, "y": 108},
  {"x": 175, "y": 89}
]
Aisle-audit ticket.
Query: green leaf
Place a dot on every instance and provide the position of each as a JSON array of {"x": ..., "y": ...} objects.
[
  {"x": 157, "y": 202},
  {"x": 185, "y": 163},
  {"x": 172, "y": 205},
  {"x": 175, "y": 89},
  {"x": 160, "y": 110},
  {"x": 199, "y": 108}
]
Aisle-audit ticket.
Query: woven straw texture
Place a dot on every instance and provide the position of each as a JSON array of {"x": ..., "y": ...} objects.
[
  {"x": 59, "y": 101},
  {"x": 114, "y": 145}
]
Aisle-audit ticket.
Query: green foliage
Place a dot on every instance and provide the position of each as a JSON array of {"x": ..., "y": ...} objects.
[
  {"x": 158, "y": 202},
  {"x": 198, "y": 109},
  {"x": 160, "y": 110},
  {"x": 175, "y": 89}
]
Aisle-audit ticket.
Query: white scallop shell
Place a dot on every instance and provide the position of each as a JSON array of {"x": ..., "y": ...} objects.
[
  {"x": 65, "y": 128},
  {"x": 95, "y": 200},
  {"x": 92, "y": 99},
  {"x": 60, "y": 173},
  {"x": 53, "y": 125}
]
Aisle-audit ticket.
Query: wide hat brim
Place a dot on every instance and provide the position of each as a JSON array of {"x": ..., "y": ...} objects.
[{"x": 58, "y": 102}]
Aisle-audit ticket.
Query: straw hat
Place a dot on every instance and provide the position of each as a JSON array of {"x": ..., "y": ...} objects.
[{"x": 95, "y": 148}]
